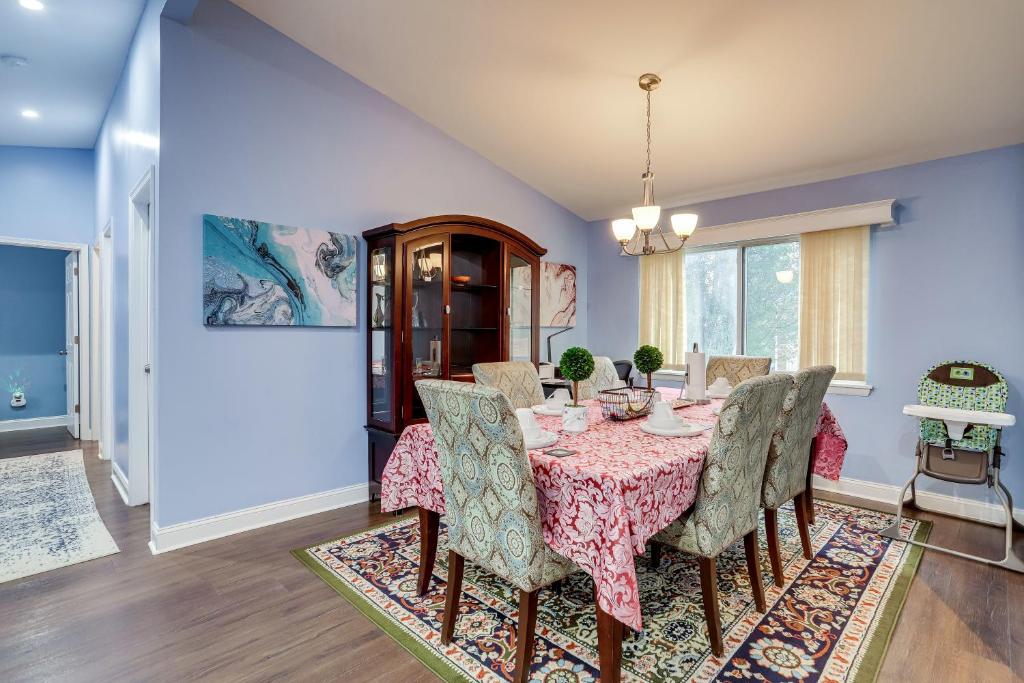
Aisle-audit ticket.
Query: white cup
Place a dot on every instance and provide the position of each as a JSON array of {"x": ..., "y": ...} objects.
[
  {"x": 556, "y": 399},
  {"x": 528, "y": 423},
  {"x": 662, "y": 415},
  {"x": 720, "y": 386}
]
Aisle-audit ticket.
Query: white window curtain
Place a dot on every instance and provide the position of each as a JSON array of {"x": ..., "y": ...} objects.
[
  {"x": 663, "y": 306},
  {"x": 834, "y": 300}
]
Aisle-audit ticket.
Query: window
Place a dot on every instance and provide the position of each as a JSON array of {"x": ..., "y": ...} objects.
[
  {"x": 711, "y": 296},
  {"x": 771, "y": 310},
  {"x": 801, "y": 301},
  {"x": 762, "y": 317}
]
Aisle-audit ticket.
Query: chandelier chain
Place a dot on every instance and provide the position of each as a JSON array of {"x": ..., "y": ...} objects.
[{"x": 648, "y": 131}]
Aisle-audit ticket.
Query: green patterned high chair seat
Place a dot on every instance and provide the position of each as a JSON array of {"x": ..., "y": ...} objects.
[{"x": 968, "y": 386}]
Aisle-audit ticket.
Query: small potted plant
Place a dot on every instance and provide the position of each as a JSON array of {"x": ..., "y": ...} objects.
[
  {"x": 576, "y": 365},
  {"x": 648, "y": 360}
]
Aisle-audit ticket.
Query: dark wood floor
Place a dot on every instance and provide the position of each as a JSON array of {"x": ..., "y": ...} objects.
[{"x": 242, "y": 609}]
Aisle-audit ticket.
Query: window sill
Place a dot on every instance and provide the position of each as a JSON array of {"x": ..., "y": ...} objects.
[
  {"x": 668, "y": 375},
  {"x": 845, "y": 387}
]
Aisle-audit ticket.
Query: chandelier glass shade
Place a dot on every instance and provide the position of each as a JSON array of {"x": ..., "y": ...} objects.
[{"x": 652, "y": 238}]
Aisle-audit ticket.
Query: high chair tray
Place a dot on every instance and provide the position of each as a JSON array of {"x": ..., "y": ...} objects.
[{"x": 978, "y": 417}]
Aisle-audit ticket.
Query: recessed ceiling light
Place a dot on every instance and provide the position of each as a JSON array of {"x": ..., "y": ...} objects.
[
  {"x": 13, "y": 61},
  {"x": 30, "y": 113},
  {"x": 33, "y": 5}
]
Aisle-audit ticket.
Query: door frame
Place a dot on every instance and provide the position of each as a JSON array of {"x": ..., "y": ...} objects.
[
  {"x": 105, "y": 308},
  {"x": 141, "y": 315},
  {"x": 84, "y": 325}
]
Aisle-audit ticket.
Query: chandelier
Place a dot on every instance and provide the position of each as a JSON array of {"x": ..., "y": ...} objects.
[{"x": 653, "y": 238}]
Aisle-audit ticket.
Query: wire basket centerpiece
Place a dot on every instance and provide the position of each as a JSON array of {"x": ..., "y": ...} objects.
[{"x": 626, "y": 403}]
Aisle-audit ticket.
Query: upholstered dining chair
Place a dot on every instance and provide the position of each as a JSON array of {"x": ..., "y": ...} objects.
[
  {"x": 490, "y": 498},
  {"x": 728, "y": 495},
  {"x": 735, "y": 369},
  {"x": 789, "y": 456},
  {"x": 624, "y": 369},
  {"x": 603, "y": 377},
  {"x": 516, "y": 379}
]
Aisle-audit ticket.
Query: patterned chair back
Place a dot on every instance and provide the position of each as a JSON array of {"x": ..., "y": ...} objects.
[
  {"x": 967, "y": 385},
  {"x": 516, "y": 379},
  {"x": 789, "y": 454},
  {"x": 490, "y": 498},
  {"x": 736, "y": 369},
  {"x": 603, "y": 377},
  {"x": 729, "y": 494}
]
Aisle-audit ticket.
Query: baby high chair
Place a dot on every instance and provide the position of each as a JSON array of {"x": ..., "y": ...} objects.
[{"x": 961, "y": 411}]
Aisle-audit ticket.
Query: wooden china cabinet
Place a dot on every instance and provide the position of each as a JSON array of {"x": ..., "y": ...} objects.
[{"x": 444, "y": 292}]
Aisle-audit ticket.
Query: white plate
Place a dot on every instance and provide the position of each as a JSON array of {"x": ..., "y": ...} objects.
[
  {"x": 545, "y": 409},
  {"x": 546, "y": 439},
  {"x": 683, "y": 430}
]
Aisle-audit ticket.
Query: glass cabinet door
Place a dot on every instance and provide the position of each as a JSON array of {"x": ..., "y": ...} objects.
[
  {"x": 382, "y": 273},
  {"x": 427, "y": 275},
  {"x": 520, "y": 308}
]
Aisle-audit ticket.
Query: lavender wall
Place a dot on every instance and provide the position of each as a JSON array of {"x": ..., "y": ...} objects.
[
  {"x": 127, "y": 146},
  {"x": 253, "y": 125},
  {"x": 946, "y": 283}
]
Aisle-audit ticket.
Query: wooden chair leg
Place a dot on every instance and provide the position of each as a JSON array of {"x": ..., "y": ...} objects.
[
  {"x": 810, "y": 480},
  {"x": 609, "y": 644},
  {"x": 801, "y": 522},
  {"x": 709, "y": 593},
  {"x": 754, "y": 569},
  {"x": 771, "y": 529},
  {"x": 456, "y": 565},
  {"x": 428, "y": 548},
  {"x": 525, "y": 639},
  {"x": 655, "y": 555}
]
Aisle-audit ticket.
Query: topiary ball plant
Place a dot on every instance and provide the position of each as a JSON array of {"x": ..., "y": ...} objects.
[
  {"x": 576, "y": 365},
  {"x": 648, "y": 360}
]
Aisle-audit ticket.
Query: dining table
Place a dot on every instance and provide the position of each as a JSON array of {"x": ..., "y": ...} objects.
[{"x": 599, "y": 506}]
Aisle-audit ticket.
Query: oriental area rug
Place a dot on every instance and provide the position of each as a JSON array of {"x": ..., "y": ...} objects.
[{"x": 832, "y": 621}]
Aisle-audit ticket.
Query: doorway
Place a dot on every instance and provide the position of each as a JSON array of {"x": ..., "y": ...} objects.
[
  {"x": 140, "y": 339},
  {"x": 44, "y": 353}
]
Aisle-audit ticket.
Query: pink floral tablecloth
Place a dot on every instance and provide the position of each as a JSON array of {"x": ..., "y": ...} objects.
[{"x": 599, "y": 506}]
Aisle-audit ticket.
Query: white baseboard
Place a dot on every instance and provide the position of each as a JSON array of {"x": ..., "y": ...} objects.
[
  {"x": 33, "y": 423},
  {"x": 120, "y": 482},
  {"x": 989, "y": 513},
  {"x": 185, "y": 534}
]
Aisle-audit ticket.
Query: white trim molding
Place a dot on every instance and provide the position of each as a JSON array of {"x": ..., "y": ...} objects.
[
  {"x": 849, "y": 388},
  {"x": 120, "y": 480},
  {"x": 870, "y": 213},
  {"x": 33, "y": 423},
  {"x": 977, "y": 510},
  {"x": 176, "y": 536}
]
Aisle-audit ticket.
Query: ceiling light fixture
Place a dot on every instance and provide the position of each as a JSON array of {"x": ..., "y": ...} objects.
[
  {"x": 33, "y": 5},
  {"x": 647, "y": 216},
  {"x": 30, "y": 113},
  {"x": 13, "y": 61}
]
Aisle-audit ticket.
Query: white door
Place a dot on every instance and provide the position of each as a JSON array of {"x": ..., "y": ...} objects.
[
  {"x": 140, "y": 314},
  {"x": 71, "y": 359}
]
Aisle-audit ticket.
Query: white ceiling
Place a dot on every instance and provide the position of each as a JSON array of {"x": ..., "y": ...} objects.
[
  {"x": 755, "y": 94},
  {"x": 76, "y": 50}
]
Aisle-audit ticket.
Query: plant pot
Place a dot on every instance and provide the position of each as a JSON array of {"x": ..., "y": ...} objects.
[{"x": 574, "y": 419}]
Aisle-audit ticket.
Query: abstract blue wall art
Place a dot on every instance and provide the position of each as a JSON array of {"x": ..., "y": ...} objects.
[{"x": 257, "y": 273}]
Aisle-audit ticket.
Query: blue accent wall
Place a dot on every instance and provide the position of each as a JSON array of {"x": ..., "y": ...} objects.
[
  {"x": 46, "y": 194},
  {"x": 946, "y": 283},
  {"x": 253, "y": 125},
  {"x": 32, "y": 331}
]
